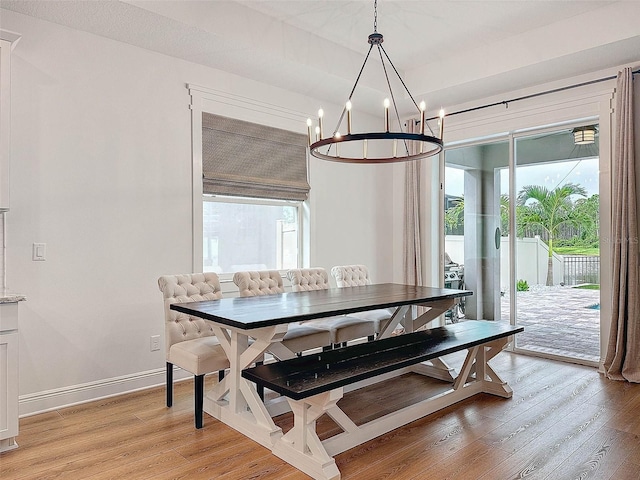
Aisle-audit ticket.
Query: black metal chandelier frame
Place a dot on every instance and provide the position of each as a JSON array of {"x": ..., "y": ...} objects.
[{"x": 423, "y": 145}]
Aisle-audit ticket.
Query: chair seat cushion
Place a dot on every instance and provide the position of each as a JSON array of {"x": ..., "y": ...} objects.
[
  {"x": 199, "y": 356},
  {"x": 345, "y": 327},
  {"x": 303, "y": 336},
  {"x": 379, "y": 317}
]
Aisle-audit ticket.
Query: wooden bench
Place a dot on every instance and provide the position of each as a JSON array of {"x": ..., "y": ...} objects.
[{"x": 313, "y": 384}]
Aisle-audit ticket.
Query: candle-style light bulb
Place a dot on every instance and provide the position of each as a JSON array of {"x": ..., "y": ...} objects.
[
  {"x": 337, "y": 136},
  {"x": 317, "y": 134},
  {"x": 441, "y": 122},
  {"x": 387, "y": 103},
  {"x": 348, "y": 107},
  {"x": 423, "y": 107},
  {"x": 309, "y": 123},
  {"x": 320, "y": 115}
]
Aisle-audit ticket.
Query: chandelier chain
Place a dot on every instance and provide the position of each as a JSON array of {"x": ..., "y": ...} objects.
[{"x": 375, "y": 16}]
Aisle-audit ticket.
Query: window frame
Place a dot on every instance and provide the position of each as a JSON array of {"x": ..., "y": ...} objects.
[
  {"x": 204, "y": 99},
  {"x": 297, "y": 204}
]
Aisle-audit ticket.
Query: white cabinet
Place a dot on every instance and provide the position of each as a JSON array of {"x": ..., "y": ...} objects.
[{"x": 8, "y": 375}]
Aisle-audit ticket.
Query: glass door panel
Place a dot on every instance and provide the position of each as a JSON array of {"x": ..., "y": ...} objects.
[
  {"x": 558, "y": 258},
  {"x": 476, "y": 246}
]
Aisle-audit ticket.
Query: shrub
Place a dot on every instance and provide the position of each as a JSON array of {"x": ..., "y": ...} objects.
[{"x": 522, "y": 286}]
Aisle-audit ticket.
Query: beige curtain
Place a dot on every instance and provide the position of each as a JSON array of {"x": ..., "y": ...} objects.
[
  {"x": 412, "y": 256},
  {"x": 622, "y": 361}
]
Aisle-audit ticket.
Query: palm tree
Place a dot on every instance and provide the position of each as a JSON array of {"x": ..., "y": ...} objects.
[
  {"x": 549, "y": 210},
  {"x": 454, "y": 215}
]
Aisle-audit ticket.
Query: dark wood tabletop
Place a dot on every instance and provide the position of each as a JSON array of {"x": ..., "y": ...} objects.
[{"x": 267, "y": 310}]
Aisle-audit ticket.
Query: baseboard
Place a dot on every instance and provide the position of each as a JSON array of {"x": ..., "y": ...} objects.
[{"x": 47, "y": 400}]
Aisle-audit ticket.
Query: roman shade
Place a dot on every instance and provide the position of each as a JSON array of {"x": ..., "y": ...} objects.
[{"x": 250, "y": 160}]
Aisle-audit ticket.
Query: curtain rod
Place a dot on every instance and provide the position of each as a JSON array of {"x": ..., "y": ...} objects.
[{"x": 526, "y": 97}]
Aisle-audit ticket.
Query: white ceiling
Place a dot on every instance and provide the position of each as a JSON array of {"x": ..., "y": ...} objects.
[{"x": 447, "y": 51}]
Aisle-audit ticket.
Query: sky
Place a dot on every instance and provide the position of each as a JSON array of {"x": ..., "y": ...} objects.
[{"x": 551, "y": 175}]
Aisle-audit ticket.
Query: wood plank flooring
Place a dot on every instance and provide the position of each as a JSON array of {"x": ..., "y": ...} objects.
[{"x": 564, "y": 422}]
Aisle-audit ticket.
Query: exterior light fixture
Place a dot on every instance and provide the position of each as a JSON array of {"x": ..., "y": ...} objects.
[
  {"x": 392, "y": 146},
  {"x": 584, "y": 135}
]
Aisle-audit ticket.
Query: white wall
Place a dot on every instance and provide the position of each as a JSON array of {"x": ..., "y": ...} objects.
[
  {"x": 101, "y": 173},
  {"x": 352, "y": 215}
]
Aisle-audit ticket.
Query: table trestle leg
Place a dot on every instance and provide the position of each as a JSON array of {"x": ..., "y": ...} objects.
[
  {"x": 435, "y": 310},
  {"x": 235, "y": 401},
  {"x": 395, "y": 320}
]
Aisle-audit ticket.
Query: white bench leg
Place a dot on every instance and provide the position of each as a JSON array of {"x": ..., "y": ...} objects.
[
  {"x": 301, "y": 446},
  {"x": 492, "y": 382},
  {"x": 477, "y": 369},
  {"x": 436, "y": 368}
]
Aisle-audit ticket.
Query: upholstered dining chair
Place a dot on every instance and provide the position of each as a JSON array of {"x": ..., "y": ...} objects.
[
  {"x": 190, "y": 342},
  {"x": 353, "y": 276},
  {"x": 300, "y": 336},
  {"x": 344, "y": 328}
]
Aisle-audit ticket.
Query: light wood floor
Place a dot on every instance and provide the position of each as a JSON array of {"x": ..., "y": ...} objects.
[{"x": 564, "y": 422}]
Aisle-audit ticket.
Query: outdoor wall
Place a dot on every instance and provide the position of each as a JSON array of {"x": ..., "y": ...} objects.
[
  {"x": 101, "y": 173},
  {"x": 532, "y": 260}
]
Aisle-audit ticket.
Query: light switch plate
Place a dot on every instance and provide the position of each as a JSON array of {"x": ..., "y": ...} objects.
[{"x": 39, "y": 252}]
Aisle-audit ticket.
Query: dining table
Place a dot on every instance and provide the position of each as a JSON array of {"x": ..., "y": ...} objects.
[{"x": 250, "y": 330}]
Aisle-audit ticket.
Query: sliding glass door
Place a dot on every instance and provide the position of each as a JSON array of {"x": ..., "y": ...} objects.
[{"x": 522, "y": 232}]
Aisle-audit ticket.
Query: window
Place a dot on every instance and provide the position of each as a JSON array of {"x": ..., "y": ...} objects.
[
  {"x": 254, "y": 182},
  {"x": 250, "y": 234}
]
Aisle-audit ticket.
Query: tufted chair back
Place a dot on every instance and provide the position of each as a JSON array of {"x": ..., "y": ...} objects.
[
  {"x": 308, "y": 279},
  {"x": 195, "y": 287},
  {"x": 263, "y": 282},
  {"x": 351, "y": 275}
]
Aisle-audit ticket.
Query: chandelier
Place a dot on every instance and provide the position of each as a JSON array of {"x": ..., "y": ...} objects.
[{"x": 384, "y": 146}]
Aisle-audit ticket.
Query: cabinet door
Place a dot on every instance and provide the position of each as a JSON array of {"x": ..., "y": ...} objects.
[{"x": 8, "y": 385}]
